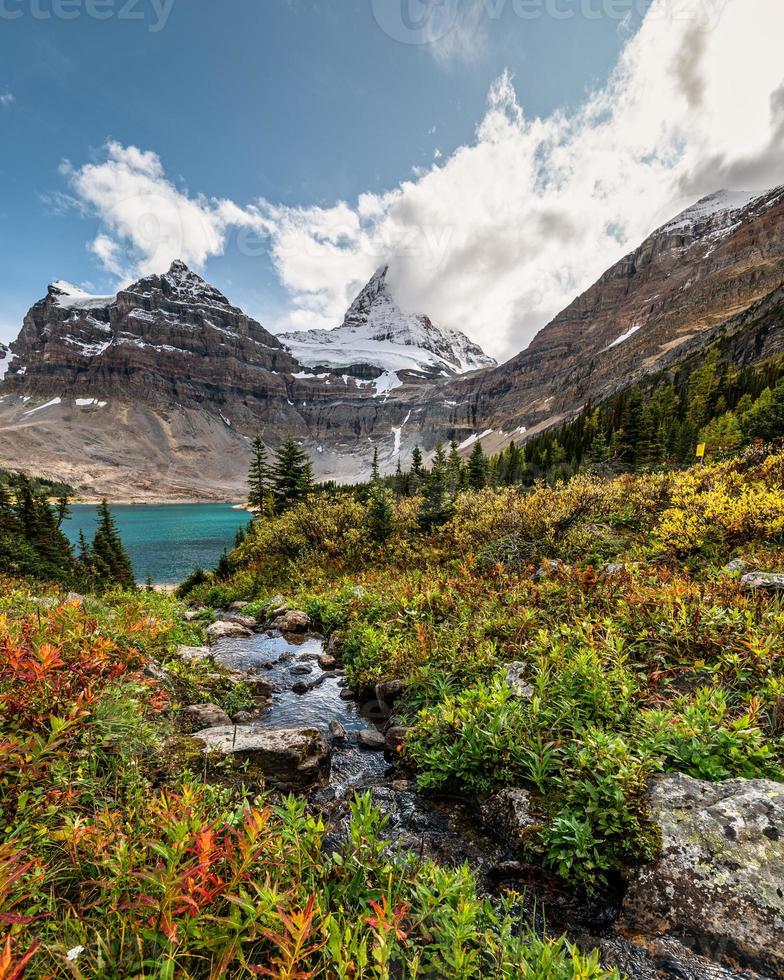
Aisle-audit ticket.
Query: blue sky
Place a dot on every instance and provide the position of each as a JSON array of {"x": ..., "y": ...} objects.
[{"x": 283, "y": 109}]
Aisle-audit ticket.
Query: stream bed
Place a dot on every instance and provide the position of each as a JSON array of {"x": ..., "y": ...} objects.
[{"x": 445, "y": 829}]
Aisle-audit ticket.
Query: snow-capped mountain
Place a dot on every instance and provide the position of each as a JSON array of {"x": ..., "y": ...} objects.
[{"x": 377, "y": 334}]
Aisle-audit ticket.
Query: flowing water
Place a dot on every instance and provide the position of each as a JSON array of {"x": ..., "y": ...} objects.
[{"x": 445, "y": 829}]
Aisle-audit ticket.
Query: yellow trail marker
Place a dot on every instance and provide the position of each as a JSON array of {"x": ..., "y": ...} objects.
[{"x": 701, "y": 451}]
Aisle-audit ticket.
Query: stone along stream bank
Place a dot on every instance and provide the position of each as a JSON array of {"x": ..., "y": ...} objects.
[{"x": 310, "y": 734}]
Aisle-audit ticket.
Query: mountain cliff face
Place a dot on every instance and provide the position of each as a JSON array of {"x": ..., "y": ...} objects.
[
  {"x": 670, "y": 295},
  {"x": 155, "y": 393},
  {"x": 377, "y": 336}
]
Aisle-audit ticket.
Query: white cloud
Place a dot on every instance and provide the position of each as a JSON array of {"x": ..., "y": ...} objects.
[
  {"x": 7, "y": 98},
  {"x": 502, "y": 234}
]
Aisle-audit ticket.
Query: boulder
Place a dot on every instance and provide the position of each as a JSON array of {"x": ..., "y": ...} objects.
[
  {"x": 334, "y": 645},
  {"x": 719, "y": 879},
  {"x": 611, "y": 569},
  {"x": 763, "y": 581},
  {"x": 193, "y": 614},
  {"x": 287, "y": 758},
  {"x": 388, "y": 692},
  {"x": 337, "y": 731},
  {"x": 222, "y": 630},
  {"x": 198, "y": 716},
  {"x": 371, "y": 739},
  {"x": 249, "y": 622},
  {"x": 300, "y": 670},
  {"x": 294, "y": 621},
  {"x": 736, "y": 567},
  {"x": 507, "y": 815},
  {"x": 194, "y": 655},
  {"x": 394, "y": 738},
  {"x": 326, "y": 662},
  {"x": 244, "y": 717},
  {"x": 276, "y": 606},
  {"x": 516, "y": 678},
  {"x": 238, "y": 606}
]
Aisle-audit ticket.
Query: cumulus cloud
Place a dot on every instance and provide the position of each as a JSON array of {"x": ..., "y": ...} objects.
[
  {"x": 500, "y": 235},
  {"x": 7, "y": 98}
]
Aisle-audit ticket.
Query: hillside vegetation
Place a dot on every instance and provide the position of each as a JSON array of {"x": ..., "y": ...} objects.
[{"x": 642, "y": 653}]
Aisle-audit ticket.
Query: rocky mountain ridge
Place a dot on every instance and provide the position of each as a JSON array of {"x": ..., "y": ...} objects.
[{"x": 156, "y": 393}]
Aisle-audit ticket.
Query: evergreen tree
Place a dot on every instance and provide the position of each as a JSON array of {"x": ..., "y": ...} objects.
[
  {"x": 477, "y": 468},
  {"x": 416, "y": 461},
  {"x": 109, "y": 555},
  {"x": 437, "y": 506},
  {"x": 374, "y": 472},
  {"x": 454, "y": 468},
  {"x": 292, "y": 476},
  {"x": 259, "y": 479},
  {"x": 380, "y": 514},
  {"x": 63, "y": 509}
]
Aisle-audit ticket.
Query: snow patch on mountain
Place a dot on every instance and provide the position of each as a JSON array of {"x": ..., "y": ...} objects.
[
  {"x": 70, "y": 297},
  {"x": 378, "y": 333},
  {"x": 720, "y": 211}
]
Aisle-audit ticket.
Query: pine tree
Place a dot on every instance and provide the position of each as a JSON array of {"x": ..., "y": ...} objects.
[
  {"x": 259, "y": 479},
  {"x": 374, "y": 472},
  {"x": 63, "y": 509},
  {"x": 477, "y": 468},
  {"x": 454, "y": 468},
  {"x": 380, "y": 514},
  {"x": 599, "y": 453},
  {"x": 416, "y": 461},
  {"x": 438, "y": 506},
  {"x": 109, "y": 555},
  {"x": 292, "y": 476}
]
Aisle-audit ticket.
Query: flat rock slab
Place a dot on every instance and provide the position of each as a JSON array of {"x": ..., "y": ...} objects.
[
  {"x": 287, "y": 758},
  {"x": 249, "y": 622},
  {"x": 221, "y": 630},
  {"x": 720, "y": 879},
  {"x": 194, "y": 655},
  {"x": 766, "y": 581}
]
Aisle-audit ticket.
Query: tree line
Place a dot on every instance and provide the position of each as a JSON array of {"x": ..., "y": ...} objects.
[
  {"x": 33, "y": 544},
  {"x": 651, "y": 425}
]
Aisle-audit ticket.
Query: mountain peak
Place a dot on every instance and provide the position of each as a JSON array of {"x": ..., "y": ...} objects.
[{"x": 378, "y": 333}]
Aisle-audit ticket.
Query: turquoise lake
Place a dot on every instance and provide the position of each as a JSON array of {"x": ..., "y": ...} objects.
[{"x": 166, "y": 541}]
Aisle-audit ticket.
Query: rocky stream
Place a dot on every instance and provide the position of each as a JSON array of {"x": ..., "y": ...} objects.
[{"x": 312, "y": 734}]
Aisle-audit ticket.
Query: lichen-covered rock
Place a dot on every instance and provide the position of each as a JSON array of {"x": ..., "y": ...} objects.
[
  {"x": 199, "y": 716},
  {"x": 736, "y": 567},
  {"x": 287, "y": 758},
  {"x": 221, "y": 630},
  {"x": 765, "y": 581},
  {"x": 294, "y": 621},
  {"x": 720, "y": 878},
  {"x": 516, "y": 678},
  {"x": 194, "y": 655}
]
